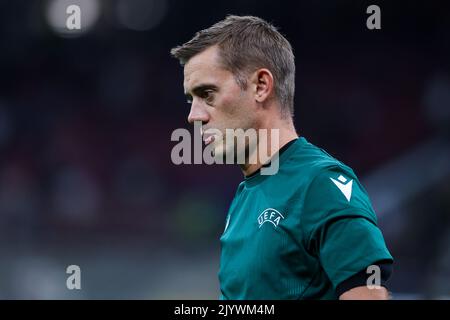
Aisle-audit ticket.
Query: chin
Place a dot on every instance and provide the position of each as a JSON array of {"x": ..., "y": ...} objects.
[{"x": 221, "y": 151}]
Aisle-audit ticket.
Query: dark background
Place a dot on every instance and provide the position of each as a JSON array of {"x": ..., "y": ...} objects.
[{"x": 86, "y": 119}]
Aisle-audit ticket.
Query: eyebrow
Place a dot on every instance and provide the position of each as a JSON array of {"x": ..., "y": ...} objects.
[{"x": 197, "y": 90}]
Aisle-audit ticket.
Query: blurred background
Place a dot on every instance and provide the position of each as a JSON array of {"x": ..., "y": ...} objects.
[{"x": 86, "y": 118}]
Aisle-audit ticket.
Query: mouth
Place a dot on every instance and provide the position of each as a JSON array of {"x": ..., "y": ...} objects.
[{"x": 207, "y": 138}]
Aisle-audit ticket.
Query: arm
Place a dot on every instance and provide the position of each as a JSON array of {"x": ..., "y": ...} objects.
[
  {"x": 364, "y": 293},
  {"x": 343, "y": 233},
  {"x": 356, "y": 287}
]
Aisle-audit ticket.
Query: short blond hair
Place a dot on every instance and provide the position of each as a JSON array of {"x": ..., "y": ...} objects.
[{"x": 247, "y": 43}]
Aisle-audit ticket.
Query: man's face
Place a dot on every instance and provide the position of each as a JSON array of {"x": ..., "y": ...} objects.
[{"x": 216, "y": 99}]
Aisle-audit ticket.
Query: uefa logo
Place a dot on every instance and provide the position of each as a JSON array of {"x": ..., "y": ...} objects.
[{"x": 270, "y": 215}]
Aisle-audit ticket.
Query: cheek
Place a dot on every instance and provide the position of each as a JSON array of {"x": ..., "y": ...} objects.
[
  {"x": 232, "y": 114},
  {"x": 236, "y": 103},
  {"x": 233, "y": 108}
]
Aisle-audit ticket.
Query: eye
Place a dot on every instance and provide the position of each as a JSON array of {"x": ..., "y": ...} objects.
[{"x": 208, "y": 95}]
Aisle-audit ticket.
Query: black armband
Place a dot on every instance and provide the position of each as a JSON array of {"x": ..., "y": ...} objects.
[{"x": 360, "y": 279}]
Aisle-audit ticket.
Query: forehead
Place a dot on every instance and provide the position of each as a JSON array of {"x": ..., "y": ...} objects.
[{"x": 204, "y": 67}]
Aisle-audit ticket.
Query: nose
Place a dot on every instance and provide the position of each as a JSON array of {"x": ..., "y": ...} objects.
[{"x": 198, "y": 112}]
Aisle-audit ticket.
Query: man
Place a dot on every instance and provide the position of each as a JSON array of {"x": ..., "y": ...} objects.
[{"x": 306, "y": 232}]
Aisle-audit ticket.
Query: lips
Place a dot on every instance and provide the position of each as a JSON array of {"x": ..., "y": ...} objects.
[
  {"x": 208, "y": 140},
  {"x": 207, "y": 137}
]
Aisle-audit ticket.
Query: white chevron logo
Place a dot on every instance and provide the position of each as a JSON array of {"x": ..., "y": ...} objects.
[
  {"x": 227, "y": 223},
  {"x": 344, "y": 186}
]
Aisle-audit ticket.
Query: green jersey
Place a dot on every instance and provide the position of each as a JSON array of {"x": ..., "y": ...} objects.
[{"x": 299, "y": 233}]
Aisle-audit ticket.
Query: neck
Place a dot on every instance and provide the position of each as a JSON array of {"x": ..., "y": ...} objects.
[{"x": 286, "y": 133}]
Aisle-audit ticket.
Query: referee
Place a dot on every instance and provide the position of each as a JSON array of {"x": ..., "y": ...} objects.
[{"x": 307, "y": 232}]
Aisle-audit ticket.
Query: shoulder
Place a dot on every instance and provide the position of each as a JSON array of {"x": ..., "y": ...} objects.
[
  {"x": 314, "y": 165},
  {"x": 329, "y": 186}
]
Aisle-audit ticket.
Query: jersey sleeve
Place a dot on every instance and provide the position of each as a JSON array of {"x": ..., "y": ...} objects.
[{"x": 340, "y": 225}]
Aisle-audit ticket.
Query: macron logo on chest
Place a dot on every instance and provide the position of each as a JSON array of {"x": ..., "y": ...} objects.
[
  {"x": 344, "y": 185},
  {"x": 270, "y": 215}
]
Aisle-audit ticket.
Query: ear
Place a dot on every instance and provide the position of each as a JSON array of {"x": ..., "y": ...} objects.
[{"x": 263, "y": 83}]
